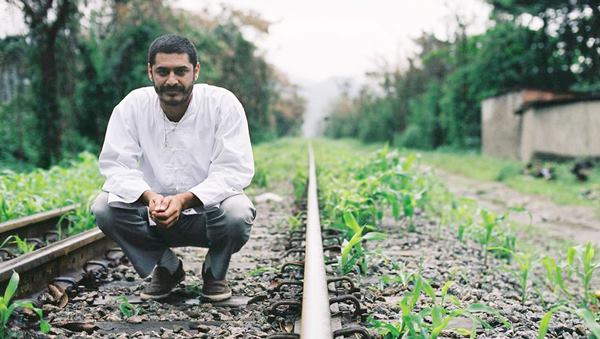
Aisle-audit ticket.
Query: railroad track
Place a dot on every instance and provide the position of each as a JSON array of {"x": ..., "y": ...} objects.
[
  {"x": 294, "y": 293},
  {"x": 63, "y": 261},
  {"x": 36, "y": 230},
  {"x": 319, "y": 301}
]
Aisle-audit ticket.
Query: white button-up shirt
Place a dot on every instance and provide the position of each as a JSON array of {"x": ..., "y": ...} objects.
[{"x": 207, "y": 152}]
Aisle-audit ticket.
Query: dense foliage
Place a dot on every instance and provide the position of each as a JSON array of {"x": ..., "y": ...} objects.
[
  {"x": 41, "y": 190},
  {"x": 435, "y": 100},
  {"x": 100, "y": 56}
]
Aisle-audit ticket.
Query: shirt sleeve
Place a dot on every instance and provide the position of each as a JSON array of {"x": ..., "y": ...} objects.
[
  {"x": 232, "y": 162},
  {"x": 120, "y": 157}
]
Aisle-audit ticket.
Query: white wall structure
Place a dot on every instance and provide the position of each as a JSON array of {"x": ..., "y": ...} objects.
[{"x": 527, "y": 124}]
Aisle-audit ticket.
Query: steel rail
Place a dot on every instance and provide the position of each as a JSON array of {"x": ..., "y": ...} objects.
[
  {"x": 40, "y": 267},
  {"x": 35, "y": 225},
  {"x": 315, "y": 321}
]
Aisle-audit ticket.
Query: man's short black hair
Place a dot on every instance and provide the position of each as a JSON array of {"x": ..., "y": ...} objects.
[{"x": 172, "y": 43}]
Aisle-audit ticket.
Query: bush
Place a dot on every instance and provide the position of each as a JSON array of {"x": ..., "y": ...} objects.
[{"x": 508, "y": 171}]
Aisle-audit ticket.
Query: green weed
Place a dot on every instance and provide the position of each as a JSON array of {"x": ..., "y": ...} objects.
[
  {"x": 126, "y": 308},
  {"x": 7, "y": 308}
]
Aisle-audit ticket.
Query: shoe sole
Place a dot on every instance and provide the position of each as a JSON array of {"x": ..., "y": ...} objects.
[
  {"x": 145, "y": 296},
  {"x": 216, "y": 297}
]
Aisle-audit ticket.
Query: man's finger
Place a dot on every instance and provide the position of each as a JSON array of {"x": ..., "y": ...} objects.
[
  {"x": 165, "y": 203},
  {"x": 151, "y": 205},
  {"x": 155, "y": 202}
]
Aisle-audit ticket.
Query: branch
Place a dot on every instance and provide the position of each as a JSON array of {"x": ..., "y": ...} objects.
[
  {"x": 42, "y": 11},
  {"x": 61, "y": 17}
]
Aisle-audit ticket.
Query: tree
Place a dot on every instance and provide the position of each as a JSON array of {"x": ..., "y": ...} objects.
[
  {"x": 573, "y": 24},
  {"x": 46, "y": 19}
]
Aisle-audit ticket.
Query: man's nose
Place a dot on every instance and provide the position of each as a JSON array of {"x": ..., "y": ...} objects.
[{"x": 172, "y": 79}]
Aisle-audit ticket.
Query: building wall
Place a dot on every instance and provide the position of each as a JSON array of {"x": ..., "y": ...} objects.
[
  {"x": 569, "y": 130},
  {"x": 501, "y": 127}
]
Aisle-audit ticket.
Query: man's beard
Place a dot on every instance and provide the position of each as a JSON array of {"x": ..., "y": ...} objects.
[{"x": 163, "y": 94}]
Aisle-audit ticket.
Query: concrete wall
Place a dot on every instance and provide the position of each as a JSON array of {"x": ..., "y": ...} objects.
[
  {"x": 501, "y": 127},
  {"x": 569, "y": 130}
]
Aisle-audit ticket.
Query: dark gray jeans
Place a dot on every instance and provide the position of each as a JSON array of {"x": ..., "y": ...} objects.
[{"x": 223, "y": 231}]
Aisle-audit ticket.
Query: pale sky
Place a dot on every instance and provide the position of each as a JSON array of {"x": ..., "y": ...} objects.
[{"x": 313, "y": 40}]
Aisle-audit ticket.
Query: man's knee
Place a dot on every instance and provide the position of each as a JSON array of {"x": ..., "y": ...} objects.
[
  {"x": 103, "y": 212},
  {"x": 100, "y": 209},
  {"x": 239, "y": 217}
]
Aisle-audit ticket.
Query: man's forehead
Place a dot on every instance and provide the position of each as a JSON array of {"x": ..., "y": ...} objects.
[{"x": 172, "y": 60}]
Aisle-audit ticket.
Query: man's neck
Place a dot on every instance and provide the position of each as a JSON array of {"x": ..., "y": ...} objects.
[{"x": 175, "y": 113}]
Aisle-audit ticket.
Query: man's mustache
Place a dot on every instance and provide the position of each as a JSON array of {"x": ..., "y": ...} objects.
[{"x": 163, "y": 89}]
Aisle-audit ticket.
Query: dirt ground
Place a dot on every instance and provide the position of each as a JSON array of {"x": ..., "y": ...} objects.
[{"x": 573, "y": 224}]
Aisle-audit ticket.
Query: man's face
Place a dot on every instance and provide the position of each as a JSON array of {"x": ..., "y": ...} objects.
[{"x": 173, "y": 76}]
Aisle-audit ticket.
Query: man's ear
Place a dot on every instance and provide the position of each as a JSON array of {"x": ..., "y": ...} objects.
[
  {"x": 196, "y": 71},
  {"x": 150, "y": 72}
]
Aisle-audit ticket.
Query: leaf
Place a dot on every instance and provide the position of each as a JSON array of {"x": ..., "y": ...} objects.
[
  {"x": 589, "y": 320},
  {"x": 489, "y": 218},
  {"x": 350, "y": 221},
  {"x": 571, "y": 252},
  {"x": 408, "y": 203},
  {"x": 429, "y": 290},
  {"x": 44, "y": 326},
  {"x": 477, "y": 307},
  {"x": 11, "y": 288},
  {"x": 436, "y": 316},
  {"x": 356, "y": 239},
  {"x": 375, "y": 236},
  {"x": 445, "y": 288},
  {"x": 544, "y": 323},
  {"x": 464, "y": 332},
  {"x": 395, "y": 208}
]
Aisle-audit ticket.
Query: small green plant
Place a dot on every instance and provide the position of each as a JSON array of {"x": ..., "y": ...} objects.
[
  {"x": 554, "y": 276},
  {"x": 585, "y": 314},
  {"x": 581, "y": 260},
  {"x": 352, "y": 250},
  {"x": 7, "y": 308},
  {"x": 259, "y": 270},
  {"x": 79, "y": 220},
  {"x": 490, "y": 222},
  {"x": 23, "y": 245},
  {"x": 401, "y": 276},
  {"x": 127, "y": 309},
  {"x": 412, "y": 324},
  {"x": 193, "y": 288},
  {"x": 294, "y": 222},
  {"x": 525, "y": 263}
]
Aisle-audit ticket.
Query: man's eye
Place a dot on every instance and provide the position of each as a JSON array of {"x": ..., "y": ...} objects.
[
  {"x": 162, "y": 72},
  {"x": 180, "y": 72}
]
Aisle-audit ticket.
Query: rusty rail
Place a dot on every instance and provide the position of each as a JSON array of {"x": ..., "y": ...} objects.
[
  {"x": 40, "y": 267},
  {"x": 35, "y": 225}
]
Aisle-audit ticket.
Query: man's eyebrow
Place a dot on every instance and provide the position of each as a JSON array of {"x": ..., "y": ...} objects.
[{"x": 177, "y": 68}]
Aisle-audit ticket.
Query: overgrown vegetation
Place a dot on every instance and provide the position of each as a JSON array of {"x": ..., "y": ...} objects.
[
  {"x": 433, "y": 99},
  {"x": 41, "y": 190}
]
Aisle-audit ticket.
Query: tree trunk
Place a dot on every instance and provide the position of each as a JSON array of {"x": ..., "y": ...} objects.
[{"x": 47, "y": 110}]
